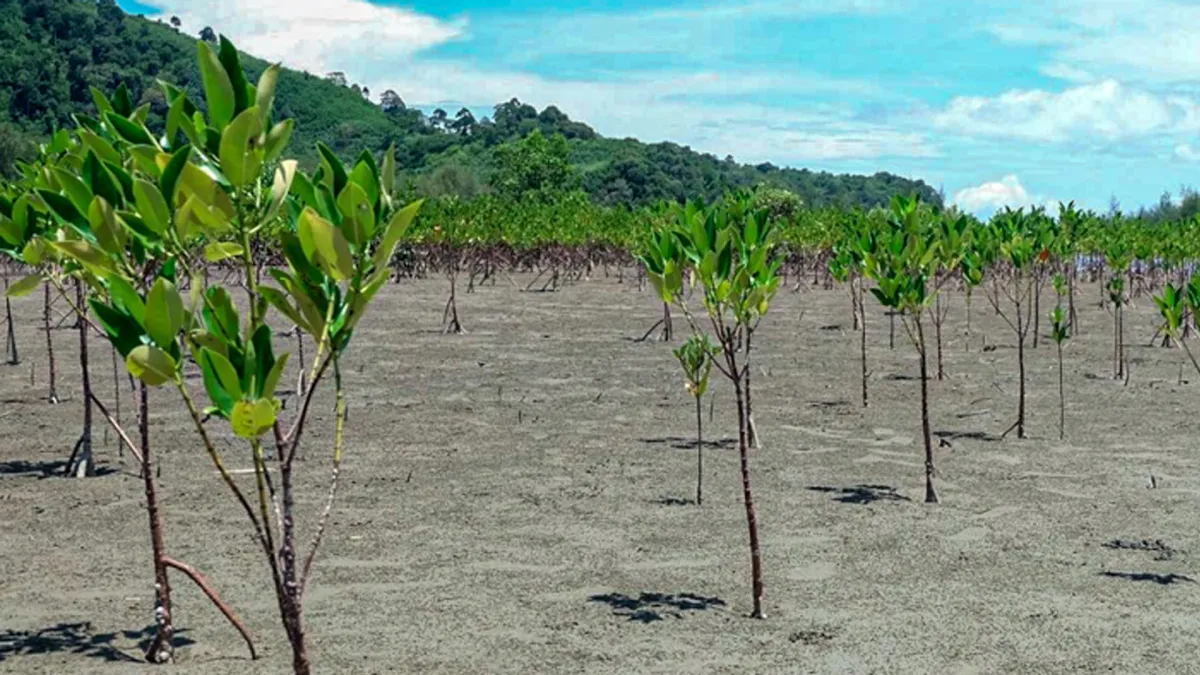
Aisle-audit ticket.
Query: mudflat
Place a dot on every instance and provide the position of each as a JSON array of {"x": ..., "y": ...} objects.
[{"x": 517, "y": 500}]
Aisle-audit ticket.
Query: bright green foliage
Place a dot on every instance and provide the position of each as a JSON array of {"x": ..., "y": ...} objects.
[
  {"x": 696, "y": 358},
  {"x": 1060, "y": 328},
  {"x": 904, "y": 260},
  {"x": 663, "y": 260},
  {"x": 1172, "y": 305}
]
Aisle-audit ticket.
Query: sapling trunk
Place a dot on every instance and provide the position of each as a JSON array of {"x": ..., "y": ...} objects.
[
  {"x": 116, "y": 400},
  {"x": 1021, "y": 330},
  {"x": 10, "y": 339},
  {"x": 53, "y": 384},
  {"x": 752, "y": 428},
  {"x": 1073, "y": 320},
  {"x": 699, "y": 454},
  {"x": 668, "y": 332},
  {"x": 162, "y": 647},
  {"x": 450, "y": 314},
  {"x": 82, "y": 463},
  {"x": 1062, "y": 397},
  {"x": 937, "y": 329},
  {"x": 862, "y": 334},
  {"x": 1037, "y": 307},
  {"x": 930, "y": 493},
  {"x": 756, "y": 571}
]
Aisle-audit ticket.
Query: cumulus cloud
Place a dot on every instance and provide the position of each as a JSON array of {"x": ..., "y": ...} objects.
[
  {"x": 1136, "y": 40},
  {"x": 317, "y": 36},
  {"x": 1187, "y": 153},
  {"x": 1106, "y": 110},
  {"x": 990, "y": 197}
]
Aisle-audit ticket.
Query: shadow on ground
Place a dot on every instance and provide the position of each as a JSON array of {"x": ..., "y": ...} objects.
[
  {"x": 651, "y": 607},
  {"x": 22, "y": 468},
  {"x": 77, "y": 638},
  {"x": 861, "y": 494},
  {"x": 681, "y": 443},
  {"x": 1160, "y": 579},
  {"x": 971, "y": 435}
]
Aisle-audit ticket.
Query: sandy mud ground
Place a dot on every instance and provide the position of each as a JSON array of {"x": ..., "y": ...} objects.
[{"x": 514, "y": 500}]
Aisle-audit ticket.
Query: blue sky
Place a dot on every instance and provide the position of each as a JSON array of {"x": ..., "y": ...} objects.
[{"x": 998, "y": 102}]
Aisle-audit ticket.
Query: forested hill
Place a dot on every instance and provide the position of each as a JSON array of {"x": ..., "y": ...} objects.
[{"x": 53, "y": 51}]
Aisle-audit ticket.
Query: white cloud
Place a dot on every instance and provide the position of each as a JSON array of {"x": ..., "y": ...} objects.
[
  {"x": 992, "y": 196},
  {"x": 1187, "y": 153},
  {"x": 1135, "y": 40},
  {"x": 317, "y": 36},
  {"x": 1106, "y": 110}
]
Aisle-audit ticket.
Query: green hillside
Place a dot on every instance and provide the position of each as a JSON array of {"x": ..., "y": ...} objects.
[{"x": 55, "y": 50}]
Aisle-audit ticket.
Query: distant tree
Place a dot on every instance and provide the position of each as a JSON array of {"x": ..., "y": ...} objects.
[
  {"x": 534, "y": 167},
  {"x": 356, "y": 89},
  {"x": 14, "y": 146},
  {"x": 451, "y": 180},
  {"x": 781, "y": 204},
  {"x": 439, "y": 119},
  {"x": 366, "y": 93},
  {"x": 464, "y": 123},
  {"x": 391, "y": 102},
  {"x": 337, "y": 77},
  {"x": 208, "y": 34},
  {"x": 175, "y": 22}
]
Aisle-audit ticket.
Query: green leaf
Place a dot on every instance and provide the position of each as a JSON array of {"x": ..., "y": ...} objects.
[
  {"x": 278, "y": 300},
  {"x": 87, "y": 255},
  {"x": 264, "y": 360},
  {"x": 164, "y": 312},
  {"x": 272, "y": 380},
  {"x": 395, "y": 231},
  {"x": 217, "y": 393},
  {"x": 226, "y": 375},
  {"x": 336, "y": 179},
  {"x": 265, "y": 95},
  {"x": 127, "y": 300},
  {"x": 251, "y": 419},
  {"x": 328, "y": 243},
  {"x": 131, "y": 132},
  {"x": 100, "y": 100},
  {"x": 277, "y": 140},
  {"x": 284, "y": 175},
  {"x": 98, "y": 145},
  {"x": 79, "y": 193},
  {"x": 239, "y": 158},
  {"x": 218, "y": 89},
  {"x": 358, "y": 215},
  {"x": 124, "y": 333},
  {"x": 220, "y": 315},
  {"x": 150, "y": 365},
  {"x": 221, "y": 250},
  {"x": 24, "y": 286},
  {"x": 63, "y": 208},
  {"x": 387, "y": 172},
  {"x": 228, "y": 56},
  {"x": 152, "y": 207},
  {"x": 109, "y": 234}
]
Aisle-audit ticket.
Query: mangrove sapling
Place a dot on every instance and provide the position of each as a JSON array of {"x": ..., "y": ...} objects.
[
  {"x": 1118, "y": 258},
  {"x": 661, "y": 258},
  {"x": 903, "y": 262},
  {"x": 696, "y": 357},
  {"x": 952, "y": 231},
  {"x": 730, "y": 249},
  {"x": 1173, "y": 305},
  {"x": 1019, "y": 238},
  {"x": 845, "y": 265},
  {"x": 1060, "y": 331}
]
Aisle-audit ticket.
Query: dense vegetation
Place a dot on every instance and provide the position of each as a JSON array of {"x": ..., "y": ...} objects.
[{"x": 55, "y": 50}]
